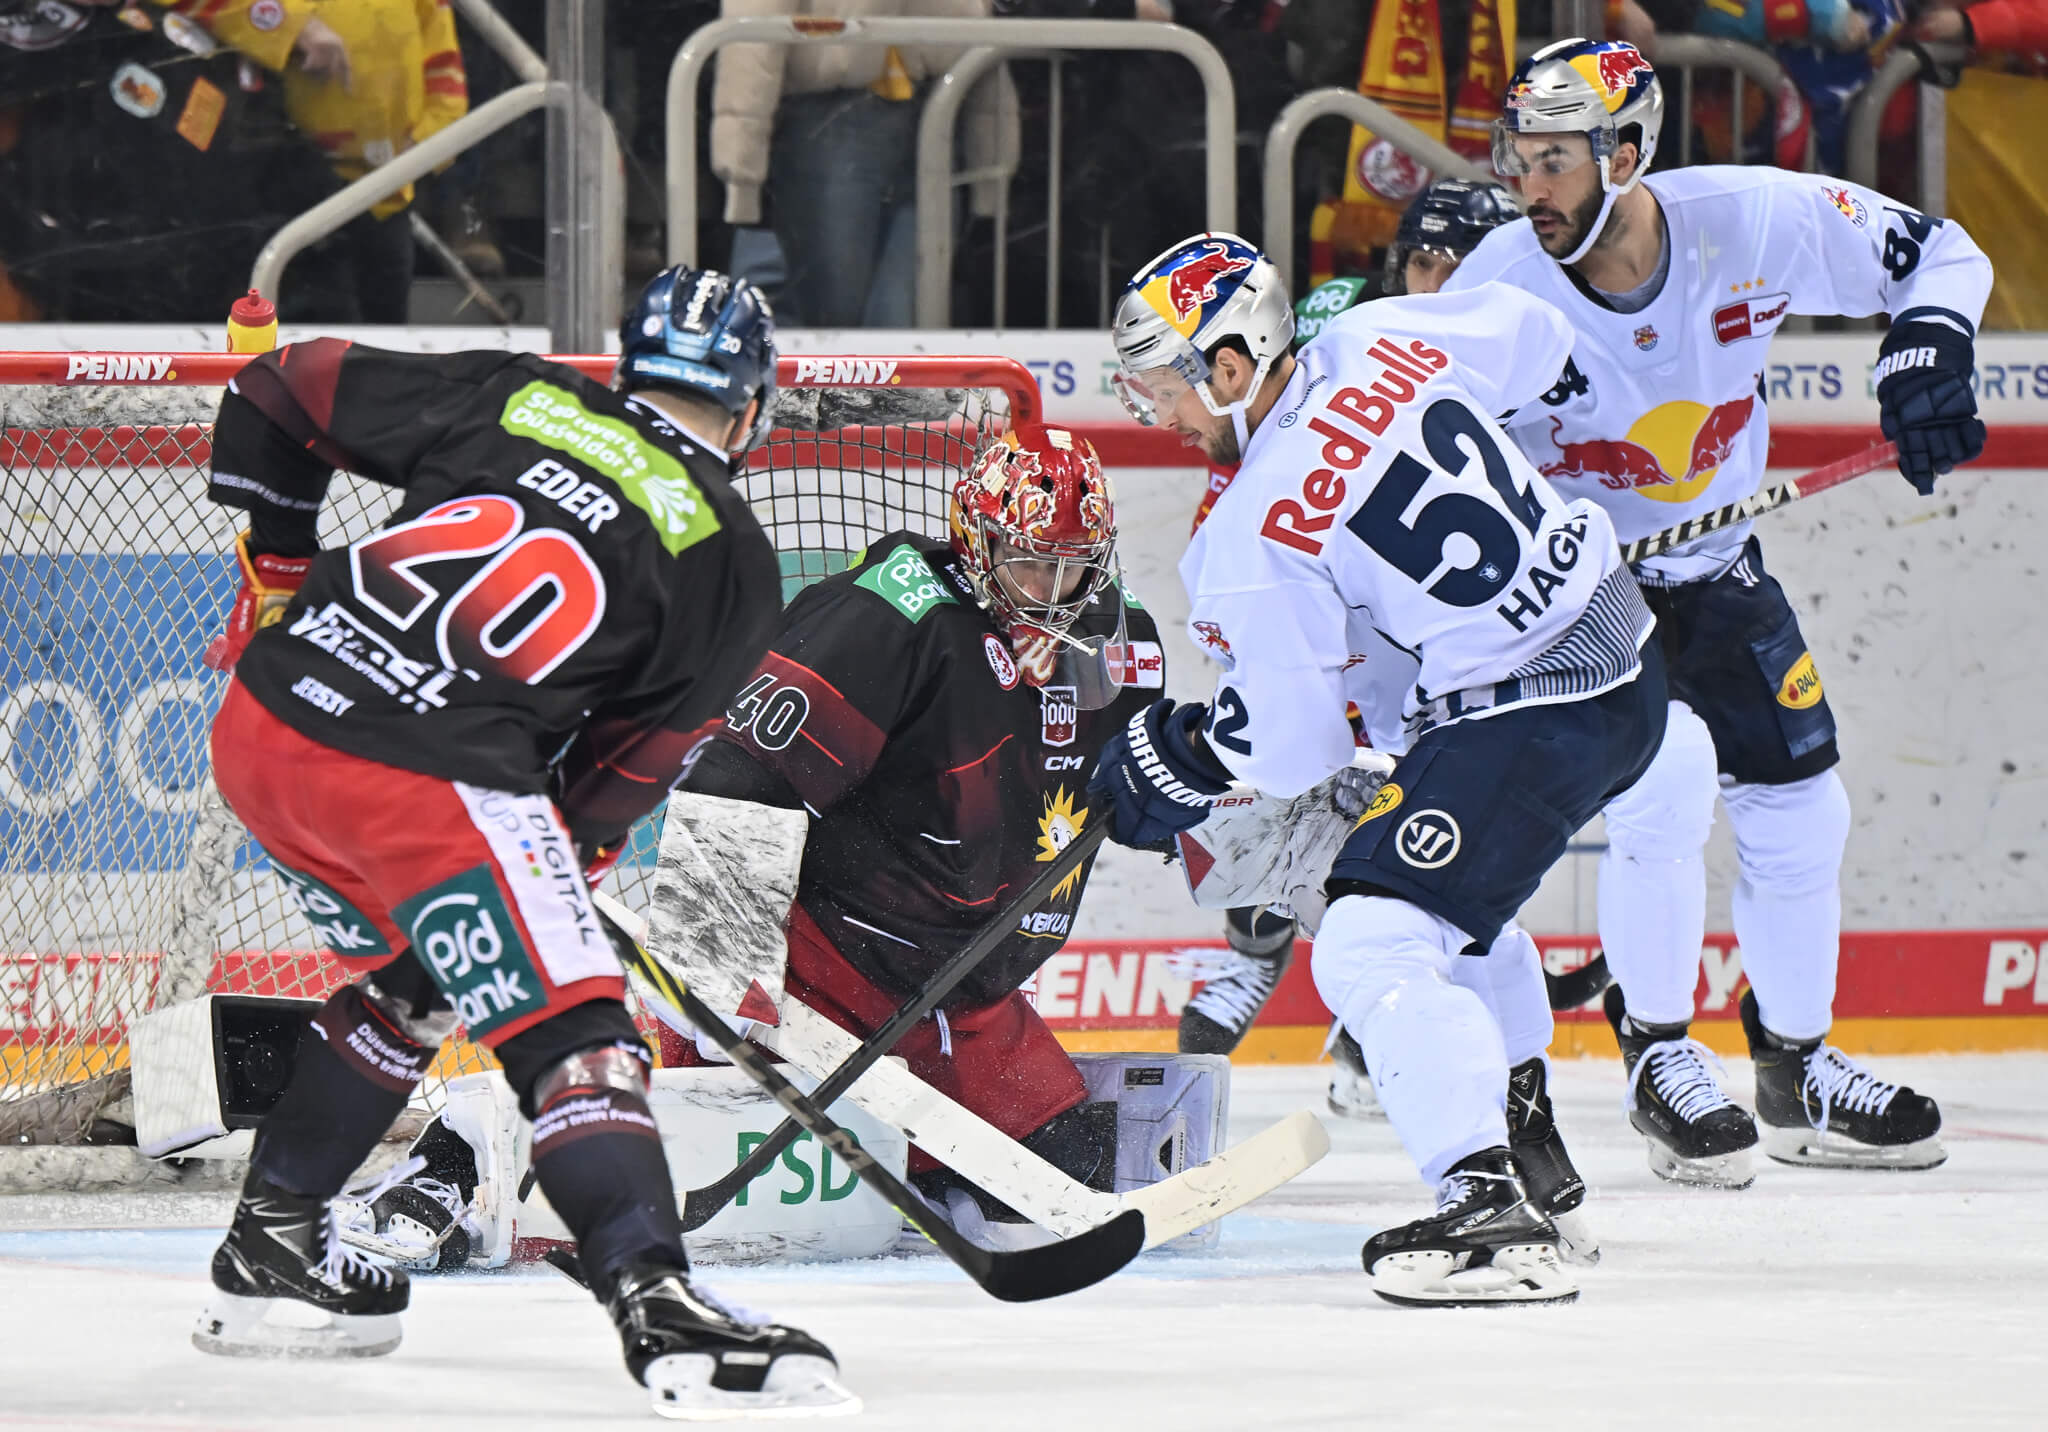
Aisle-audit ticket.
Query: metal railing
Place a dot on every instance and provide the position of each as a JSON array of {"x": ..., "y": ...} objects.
[
  {"x": 1281, "y": 140},
  {"x": 601, "y": 280},
  {"x": 987, "y": 39},
  {"x": 1866, "y": 116},
  {"x": 936, "y": 180}
]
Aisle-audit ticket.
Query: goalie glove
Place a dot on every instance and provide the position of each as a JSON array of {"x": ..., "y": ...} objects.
[
  {"x": 1924, "y": 400},
  {"x": 269, "y": 582}
]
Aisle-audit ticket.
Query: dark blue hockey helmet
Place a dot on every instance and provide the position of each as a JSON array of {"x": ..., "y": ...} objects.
[
  {"x": 1450, "y": 217},
  {"x": 704, "y": 334}
]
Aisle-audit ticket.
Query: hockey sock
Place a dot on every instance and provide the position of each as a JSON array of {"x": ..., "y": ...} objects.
[
  {"x": 355, "y": 1070},
  {"x": 597, "y": 1156}
]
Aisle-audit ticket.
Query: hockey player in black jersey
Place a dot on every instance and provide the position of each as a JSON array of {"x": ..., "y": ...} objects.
[
  {"x": 952, "y": 694},
  {"x": 440, "y": 734}
]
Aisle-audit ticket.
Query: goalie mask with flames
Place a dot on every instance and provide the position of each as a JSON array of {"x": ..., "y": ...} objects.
[{"x": 1034, "y": 525}]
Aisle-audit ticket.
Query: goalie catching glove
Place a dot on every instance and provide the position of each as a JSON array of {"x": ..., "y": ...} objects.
[
  {"x": 1924, "y": 400},
  {"x": 1156, "y": 779},
  {"x": 269, "y": 583}
]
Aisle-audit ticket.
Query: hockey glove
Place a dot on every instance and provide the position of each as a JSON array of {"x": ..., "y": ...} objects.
[
  {"x": 268, "y": 585},
  {"x": 1154, "y": 779},
  {"x": 1924, "y": 400}
]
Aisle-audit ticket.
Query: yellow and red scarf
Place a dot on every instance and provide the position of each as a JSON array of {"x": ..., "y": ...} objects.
[{"x": 1404, "y": 71}]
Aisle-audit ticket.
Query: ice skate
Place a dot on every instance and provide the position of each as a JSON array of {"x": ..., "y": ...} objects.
[
  {"x": 1351, "y": 1093},
  {"x": 701, "y": 1362},
  {"x": 1485, "y": 1244},
  {"x": 286, "y": 1285},
  {"x": 1694, "y": 1132},
  {"x": 1554, "y": 1185},
  {"x": 1818, "y": 1107},
  {"x": 417, "y": 1221},
  {"x": 1261, "y": 947}
]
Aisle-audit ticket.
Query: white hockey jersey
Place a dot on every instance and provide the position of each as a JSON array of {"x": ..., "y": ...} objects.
[
  {"x": 1661, "y": 414},
  {"x": 1378, "y": 501}
]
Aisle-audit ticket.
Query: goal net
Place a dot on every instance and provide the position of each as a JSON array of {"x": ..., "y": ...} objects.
[{"x": 125, "y": 884}]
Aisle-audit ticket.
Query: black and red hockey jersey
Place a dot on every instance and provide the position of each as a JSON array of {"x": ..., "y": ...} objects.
[
  {"x": 569, "y": 588},
  {"x": 938, "y": 780}
]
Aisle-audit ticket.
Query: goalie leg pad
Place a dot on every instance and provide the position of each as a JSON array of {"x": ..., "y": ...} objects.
[{"x": 1172, "y": 1112}]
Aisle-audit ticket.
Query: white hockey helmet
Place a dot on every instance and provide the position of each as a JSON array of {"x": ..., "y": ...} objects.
[
  {"x": 1178, "y": 307},
  {"x": 1597, "y": 88}
]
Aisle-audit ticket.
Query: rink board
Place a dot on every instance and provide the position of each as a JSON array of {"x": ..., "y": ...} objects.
[{"x": 1897, "y": 992}]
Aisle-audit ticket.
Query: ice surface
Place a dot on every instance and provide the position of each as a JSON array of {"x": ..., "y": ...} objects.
[{"x": 1815, "y": 1300}]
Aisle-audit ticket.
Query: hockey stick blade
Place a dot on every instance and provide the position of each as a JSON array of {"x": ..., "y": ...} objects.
[
  {"x": 701, "y": 1205},
  {"x": 1023, "y": 1276},
  {"x": 1767, "y": 499}
]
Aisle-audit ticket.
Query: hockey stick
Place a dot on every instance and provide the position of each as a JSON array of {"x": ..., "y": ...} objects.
[
  {"x": 1023, "y": 1276},
  {"x": 1044, "y": 1194},
  {"x": 701, "y": 1205},
  {"x": 1764, "y": 500}
]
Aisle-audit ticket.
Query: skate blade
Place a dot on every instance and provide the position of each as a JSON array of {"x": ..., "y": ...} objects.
[
  {"x": 1347, "y": 1105},
  {"x": 235, "y": 1326},
  {"x": 1731, "y": 1171},
  {"x": 796, "y": 1386},
  {"x": 1812, "y": 1148},
  {"x": 1523, "y": 1273},
  {"x": 1575, "y": 1241}
]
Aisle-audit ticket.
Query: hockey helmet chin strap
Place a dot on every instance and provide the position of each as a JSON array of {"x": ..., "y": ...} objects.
[
  {"x": 1239, "y": 423},
  {"x": 1607, "y": 185}
]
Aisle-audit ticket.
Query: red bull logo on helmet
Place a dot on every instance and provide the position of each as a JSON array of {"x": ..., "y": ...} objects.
[
  {"x": 1670, "y": 454},
  {"x": 1613, "y": 70},
  {"x": 1181, "y": 293}
]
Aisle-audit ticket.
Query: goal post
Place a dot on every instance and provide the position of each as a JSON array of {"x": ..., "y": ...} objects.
[{"x": 125, "y": 884}]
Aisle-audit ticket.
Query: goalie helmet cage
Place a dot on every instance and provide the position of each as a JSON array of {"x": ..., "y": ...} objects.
[{"x": 125, "y": 883}]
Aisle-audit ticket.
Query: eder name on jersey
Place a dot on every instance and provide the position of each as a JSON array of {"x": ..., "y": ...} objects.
[{"x": 566, "y": 563}]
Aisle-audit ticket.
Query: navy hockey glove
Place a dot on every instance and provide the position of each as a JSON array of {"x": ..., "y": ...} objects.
[
  {"x": 1154, "y": 780},
  {"x": 1924, "y": 400}
]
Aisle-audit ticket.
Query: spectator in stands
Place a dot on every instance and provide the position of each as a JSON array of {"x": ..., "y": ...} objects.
[
  {"x": 830, "y": 133},
  {"x": 138, "y": 176},
  {"x": 2014, "y": 26},
  {"x": 367, "y": 79}
]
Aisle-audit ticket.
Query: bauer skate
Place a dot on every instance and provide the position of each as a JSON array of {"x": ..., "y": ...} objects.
[
  {"x": 1554, "y": 1185},
  {"x": 1261, "y": 947},
  {"x": 1695, "y": 1133},
  {"x": 1351, "y": 1094},
  {"x": 286, "y": 1285},
  {"x": 1485, "y": 1244},
  {"x": 1818, "y": 1108},
  {"x": 701, "y": 1362}
]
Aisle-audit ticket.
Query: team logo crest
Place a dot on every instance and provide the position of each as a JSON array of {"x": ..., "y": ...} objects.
[
  {"x": 1847, "y": 205},
  {"x": 999, "y": 662},
  {"x": 1210, "y": 634},
  {"x": 1646, "y": 337},
  {"x": 1428, "y": 839}
]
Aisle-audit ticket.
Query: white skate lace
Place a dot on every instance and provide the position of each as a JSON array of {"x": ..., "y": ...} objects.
[
  {"x": 1235, "y": 996},
  {"x": 345, "y": 1264},
  {"x": 1679, "y": 1070},
  {"x": 1835, "y": 1081}
]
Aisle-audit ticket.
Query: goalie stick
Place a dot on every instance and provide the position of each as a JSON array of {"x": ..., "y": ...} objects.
[
  {"x": 1044, "y": 1194},
  {"x": 701, "y": 1205},
  {"x": 1023, "y": 1276},
  {"x": 1764, "y": 500}
]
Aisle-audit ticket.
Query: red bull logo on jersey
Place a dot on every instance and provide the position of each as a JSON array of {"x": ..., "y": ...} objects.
[
  {"x": 1670, "y": 454},
  {"x": 1847, "y": 205},
  {"x": 1615, "y": 70}
]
